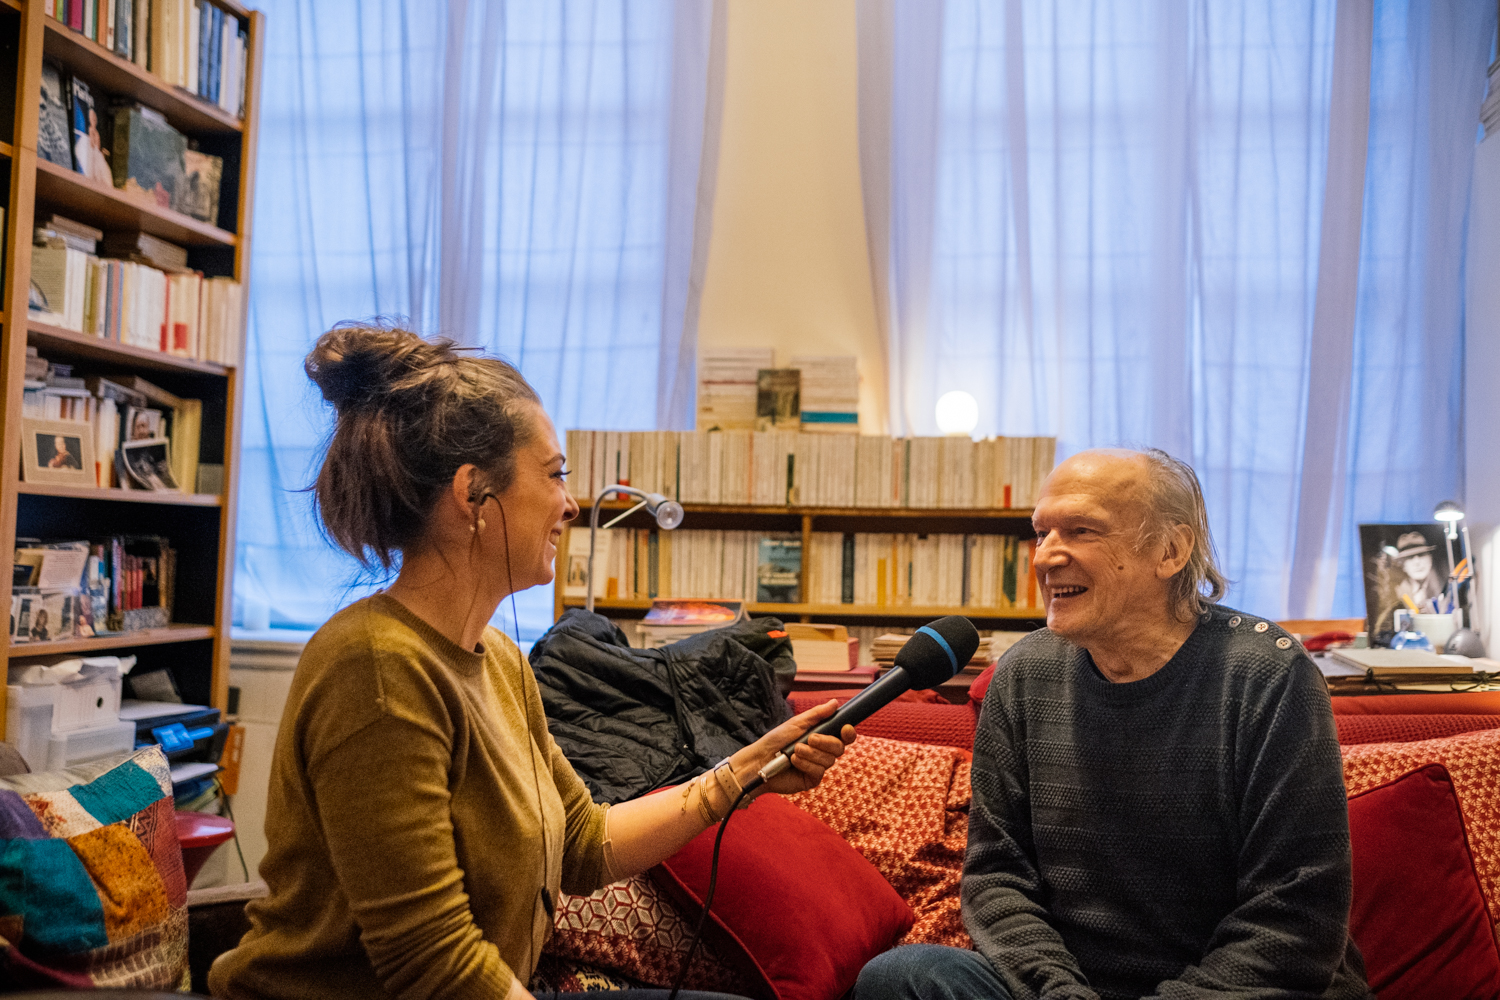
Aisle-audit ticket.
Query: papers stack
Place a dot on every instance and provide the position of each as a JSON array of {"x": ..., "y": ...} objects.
[{"x": 830, "y": 394}]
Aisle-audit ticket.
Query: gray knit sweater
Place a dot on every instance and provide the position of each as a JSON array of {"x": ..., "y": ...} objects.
[{"x": 1182, "y": 836}]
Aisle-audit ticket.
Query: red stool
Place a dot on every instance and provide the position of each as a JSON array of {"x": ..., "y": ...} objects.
[{"x": 199, "y": 834}]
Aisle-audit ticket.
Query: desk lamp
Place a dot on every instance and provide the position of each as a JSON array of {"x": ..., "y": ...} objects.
[
  {"x": 1465, "y": 641},
  {"x": 668, "y": 514}
]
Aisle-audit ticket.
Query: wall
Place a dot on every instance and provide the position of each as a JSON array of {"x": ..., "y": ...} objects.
[
  {"x": 1482, "y": 382},
  {"x": 788, "y": 265}
]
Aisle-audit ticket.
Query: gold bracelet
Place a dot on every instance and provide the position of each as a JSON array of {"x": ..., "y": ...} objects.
[{"x": 705, "y": 810}]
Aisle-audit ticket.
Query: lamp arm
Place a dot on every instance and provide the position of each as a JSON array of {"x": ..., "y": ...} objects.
[{"x": 588, "y": 601}]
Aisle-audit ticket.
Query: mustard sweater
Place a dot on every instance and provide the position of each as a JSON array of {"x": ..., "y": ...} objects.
[{"x": 408, "y": 842}]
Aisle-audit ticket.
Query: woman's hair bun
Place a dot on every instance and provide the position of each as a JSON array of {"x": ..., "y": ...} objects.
[{"x": 356, "y": 364}]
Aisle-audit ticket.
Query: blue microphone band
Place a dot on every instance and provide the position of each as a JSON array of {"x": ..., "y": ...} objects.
[{"x": 944, "y": 643}]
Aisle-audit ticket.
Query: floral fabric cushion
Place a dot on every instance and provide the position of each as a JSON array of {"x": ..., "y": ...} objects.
[{"x": 92, "y": 892}]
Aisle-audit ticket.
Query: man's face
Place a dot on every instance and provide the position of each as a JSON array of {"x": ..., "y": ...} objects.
[{"x": 1096, "y": 580}]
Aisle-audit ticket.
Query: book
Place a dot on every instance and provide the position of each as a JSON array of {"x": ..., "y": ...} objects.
[
  {"x": 147, "y": 155},
  {"x": 54, "y": 131},
  {"x": 829, "y": 393},
  {"x": 199, "y": 194},
  {"x": 88, "y": 153},
  {"x": 778, "y": 399},
  {"x": 727, "y": 386},
  {"x": 778, "y": 569}
]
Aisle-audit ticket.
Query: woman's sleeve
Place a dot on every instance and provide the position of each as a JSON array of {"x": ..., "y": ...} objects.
[{"x": 392, "y": 849}]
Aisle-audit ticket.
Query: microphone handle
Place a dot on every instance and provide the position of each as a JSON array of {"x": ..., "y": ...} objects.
[{"x": 854, "y": 711}]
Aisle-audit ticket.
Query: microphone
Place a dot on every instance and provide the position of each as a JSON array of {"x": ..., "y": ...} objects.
[{"x": 937, "y": 652}]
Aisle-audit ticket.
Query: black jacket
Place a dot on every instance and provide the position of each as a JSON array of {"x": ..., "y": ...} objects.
[{"x": 634, "y": 720}]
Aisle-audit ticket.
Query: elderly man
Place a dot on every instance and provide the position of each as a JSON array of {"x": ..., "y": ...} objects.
[{"x": 1159, "y": 806}]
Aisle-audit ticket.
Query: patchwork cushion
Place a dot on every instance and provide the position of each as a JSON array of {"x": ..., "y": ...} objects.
[
  {"x": 92, "y": 892},
  {"x": 1418, "y": 916}
]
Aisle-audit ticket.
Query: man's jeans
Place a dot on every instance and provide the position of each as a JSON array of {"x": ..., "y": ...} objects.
[{"x": 929, "y": 972}]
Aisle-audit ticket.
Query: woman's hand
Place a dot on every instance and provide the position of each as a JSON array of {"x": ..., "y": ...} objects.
[{"x": 809, "y": 760}]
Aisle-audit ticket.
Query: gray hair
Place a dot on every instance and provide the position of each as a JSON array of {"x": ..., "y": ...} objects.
[{"x": 1173, "y": 497}]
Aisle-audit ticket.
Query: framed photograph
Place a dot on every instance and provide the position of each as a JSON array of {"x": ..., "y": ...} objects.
[
  {"x": 58, "y": 451},
  {"x": 1401, "y": 561},
  {"x": 142, "y": 423},
  {"x": 147, "y": 464}
]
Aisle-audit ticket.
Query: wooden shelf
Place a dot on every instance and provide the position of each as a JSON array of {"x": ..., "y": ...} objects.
[
  {"x": 835, "y": 610},
  {"x": 111, "y": 208},
  {"x": 14, "y": 5},
  {"x": 103, "y": 69},
  {"x": 6, "y": 149},
  {"x": 72, "y": 344},
  {"x": 996, "y": 514},
  {"x": 121, "y": 496},
  {"x": 143, "y": 637}
]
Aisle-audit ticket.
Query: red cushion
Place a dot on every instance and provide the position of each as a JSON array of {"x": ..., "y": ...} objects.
[
  {"x": 1418, "y": 915},
  {"x": 1357, "y": 729},
  {"x": 1446, "y": 703},
  {"x": 807, "y": 910},
  {"x": 981, "y": 685},
  {"x": 938, "y": 724}
]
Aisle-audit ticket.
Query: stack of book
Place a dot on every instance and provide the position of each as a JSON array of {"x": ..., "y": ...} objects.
[
  {"x": 830, "y": 394},
  {"x": 778, "y": 468},
  {"x": 885, "y": 647},
  {"x": 936, "y": 570},
  {"x": 128, "y": 301},
  {"x": 191, "y": 44}
]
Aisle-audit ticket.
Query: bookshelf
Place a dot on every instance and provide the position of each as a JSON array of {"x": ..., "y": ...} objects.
[
  {"x": 200, "y": 526},
  {"x": 807, "y": 520}
]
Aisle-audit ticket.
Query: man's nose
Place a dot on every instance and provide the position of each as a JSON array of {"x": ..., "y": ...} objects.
[{"x": 1050, "y": 554}]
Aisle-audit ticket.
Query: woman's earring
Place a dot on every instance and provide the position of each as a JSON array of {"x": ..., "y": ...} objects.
[{"x": 481, "y": 524}]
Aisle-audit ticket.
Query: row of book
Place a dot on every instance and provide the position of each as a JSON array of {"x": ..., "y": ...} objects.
[
  {"x": 778, "y": 468},
  {"x": 191, "y": 44},
  {"x": 126, "y": 300},
  {"x": 984, "y": 572},
  {"x": 989, "y": 572},
  {"x": 122, "y": 411},
  {"x": 885, "y": 647},
  {"x": 85, "y": 588}
]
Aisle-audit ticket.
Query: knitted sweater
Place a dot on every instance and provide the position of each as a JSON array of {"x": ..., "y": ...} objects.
[
  {"x": 1181, "y": 836},
  {"x": 415, "y": 814}
]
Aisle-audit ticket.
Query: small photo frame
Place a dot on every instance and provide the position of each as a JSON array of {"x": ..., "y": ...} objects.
[
  {"x": 58, "y": 451},
  {"x": 142, "y": 424},
  {"x": 148, "y": 465}
]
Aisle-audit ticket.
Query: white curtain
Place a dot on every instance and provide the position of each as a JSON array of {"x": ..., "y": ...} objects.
[
  {"x": 522, "y": 177},
  {"x": 1232, "y": 229}
]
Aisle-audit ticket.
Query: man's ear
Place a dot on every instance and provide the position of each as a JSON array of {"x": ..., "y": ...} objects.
[{"x": 1176, "y": 552}]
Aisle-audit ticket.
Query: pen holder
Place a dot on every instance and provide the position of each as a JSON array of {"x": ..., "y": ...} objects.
[{"x": 1437, "y": 628}]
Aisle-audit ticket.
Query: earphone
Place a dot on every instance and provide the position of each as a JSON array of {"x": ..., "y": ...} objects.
[{"x": 546, "y": 894}]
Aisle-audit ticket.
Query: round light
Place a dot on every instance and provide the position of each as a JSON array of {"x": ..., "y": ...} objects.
[
  {"x": 957, "y": 413},
  {"x": 669, "y": 515},
  {"x": 1448, "y": 511}
]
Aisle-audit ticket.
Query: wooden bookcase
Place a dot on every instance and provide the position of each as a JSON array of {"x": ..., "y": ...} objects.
[
  {"x": 195, "y": 647},
  {"x": 808, "y": 520}
]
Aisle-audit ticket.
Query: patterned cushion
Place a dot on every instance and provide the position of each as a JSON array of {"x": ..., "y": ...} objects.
[
  {"x": 1473, "y": 763},
  {"x": 631, "y": 927},
  {"x": 92, "y": 892}
]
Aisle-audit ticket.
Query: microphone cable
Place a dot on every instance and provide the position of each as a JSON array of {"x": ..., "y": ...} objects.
[{"x": 708, "y": 898}]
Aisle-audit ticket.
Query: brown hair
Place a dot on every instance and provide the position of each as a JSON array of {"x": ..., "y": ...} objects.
[
  {"x": 1172, "y": 496},
  {"x": 410, "y": 412}
]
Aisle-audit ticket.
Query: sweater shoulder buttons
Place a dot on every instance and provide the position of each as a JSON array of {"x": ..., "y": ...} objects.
[
  {"x": 1283, "y": 643},
  {"x": 1262, "y": 626}
]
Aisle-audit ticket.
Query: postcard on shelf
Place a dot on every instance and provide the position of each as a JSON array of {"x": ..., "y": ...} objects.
[
  {"x": 199, "y": 194},
  {"x": 575, "y": 582},
  {"x": 58, "y": 451},
  {"x": 694, "y": 611},
  {"x": 147, "y": 464},
  {"x": 778, "y": 399},
  {"x": 89, "y": 158},
  {"x": 53, "y": 132}
]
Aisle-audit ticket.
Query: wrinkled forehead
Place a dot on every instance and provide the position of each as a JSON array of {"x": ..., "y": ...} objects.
[{"x": 1102, "y": 484}]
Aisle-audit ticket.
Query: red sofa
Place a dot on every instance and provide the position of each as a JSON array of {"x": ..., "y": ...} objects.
[{"x": 1423, "y": 771}]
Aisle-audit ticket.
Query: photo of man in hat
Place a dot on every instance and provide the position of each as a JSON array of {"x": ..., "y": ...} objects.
[{"x": 1401, "y": 560}]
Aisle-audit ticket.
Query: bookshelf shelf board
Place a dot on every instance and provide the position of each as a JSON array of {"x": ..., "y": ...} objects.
[
  {"x": 72, "y": 344},
  {"x": 6, "y": 149},
  {"x": 143, "y": 637},
  {"x": 111, "y": 208},
  {"x": 14, "y": 5},
  {"x": 122, "y": 496},
  {"x": 101, "y": 68},
  {"x": 957, "y": 513},
  {"x": 835, "y": 610}
]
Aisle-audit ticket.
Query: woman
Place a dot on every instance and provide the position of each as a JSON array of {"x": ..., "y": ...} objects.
[{"x": 420, "y": 819}]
